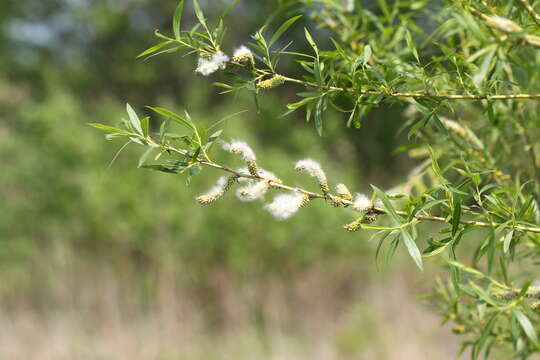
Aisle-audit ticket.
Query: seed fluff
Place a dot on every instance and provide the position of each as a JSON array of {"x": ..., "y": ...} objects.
[
  {"x": 314, "y": 169},
  {"x": 361, "y": 203},
  {"x": 218, "y": 61},
  {"x": 238, "y": 147},
  {"x": 286, "y": 205}
]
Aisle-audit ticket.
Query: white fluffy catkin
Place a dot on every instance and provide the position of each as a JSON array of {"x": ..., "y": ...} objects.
[
  {"x": 343, "y": 191},
  {"x": 361, "y": 202},
  {"x": 243, "y": 54},
  {"x": 253, "y": 191},
  {"x": 238, "y": 147},
  {"x": 218, "y": 61},
  {"x": 314, "y": 169},
  {"x": 286, "y": 205}
]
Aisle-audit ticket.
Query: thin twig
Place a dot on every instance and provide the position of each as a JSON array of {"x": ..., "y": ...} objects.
[
  {"x": 398, "y": 94},
  {"x": 421, "y": 94}
]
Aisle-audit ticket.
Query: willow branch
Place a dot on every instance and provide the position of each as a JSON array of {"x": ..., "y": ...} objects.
[
  {"x": 336, "y": 199},
  {"x": 400, "y": 94},
  {"x": 506, "y": 26},
  {"x": 424, "y": 95},
  {"x": 534, "y": 15}
]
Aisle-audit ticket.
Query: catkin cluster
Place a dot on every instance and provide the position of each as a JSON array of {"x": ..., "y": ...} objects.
[{"x": 254, "y": 183}]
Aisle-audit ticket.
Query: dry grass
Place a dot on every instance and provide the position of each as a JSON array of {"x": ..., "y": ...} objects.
[{"x": 88, "y": 311}]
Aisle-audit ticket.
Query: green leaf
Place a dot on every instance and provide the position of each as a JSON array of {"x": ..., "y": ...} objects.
[
  {"x": 282, "y": 29},
  {"x": 486, "y": 331},
  {"x": 439, "y": 125},
  {"x": 311, "y": 42},
  {"x": 201, "y": 130},
  {"x": 118, "y": 153},
  {"x": 456, "y": 217},
  {"x": 134, "y": 119},
  {"x": 296, "y": 105},
  {"x": 162, "y": 168},
  {"x": 224, "y": 119},
  {"x": 109, "y": 129},
  {"x": 228, "y": 10},
  {"x": 212, "y": 138},
  {"x": 490, "y": 250},
  {"x": 199, "y": 13},
  {"x": 177, "y": 20},
  {"x": 412, "y": 248},
  {"x": 524, "y": 289},
  {"x": 411, "y": 46},
  {"x": 418, "y": 125},
  {"x": 387, "y": 205},
  {"x": 318, "y": 117},
  {"x": 480, "y": 76},
  {"x": 175, "y": 117},
  {"x": 367, "y": 54},
  {"x": 482, "y": 294},
  {"x": 435, "y": 165},
  {"x": 155, "y": 48},
  {"x": 145, "y": 156},
  {"x": 379, "y": 246},
  {"x": 508, "y": 240},
  {"x": 526, "y": 326},
  {"x": 145, "y": 126}
]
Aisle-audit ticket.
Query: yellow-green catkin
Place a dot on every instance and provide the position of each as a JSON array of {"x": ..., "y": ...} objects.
[
  {"x": 207, "y": 199},
  {"x": 252, "y": 167},
  {"x": 506, "y": 295},
  {"x": 271, "y": 83},
  {"x": 367, "y": 218},
  {"x": 336, "y": 201},
  {"x": 355, "y": 225},
  {"x": 217, "y": 192},
  {"x": 459, "y": 329},
  {"x": 532, "y": 292},
  {"x": 305, "y": 200},
  {"x": 231, "y": 180},
  {"x": 324, "y": 187},
  {"x": 535, "y": 306},
  {"x": 243, "y": 55}
]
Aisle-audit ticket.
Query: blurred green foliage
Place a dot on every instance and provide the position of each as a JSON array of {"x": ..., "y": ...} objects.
[{"x": 55, "y": 184}]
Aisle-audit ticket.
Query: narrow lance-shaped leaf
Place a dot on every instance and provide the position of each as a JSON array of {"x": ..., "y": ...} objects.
[
  {"x": 411, "y": 46},
  {"x": 145, "y": 156},
  {"x": 134, "y": 119},
  {"x": 387, "y": 204},
  {"x": 175, "y": 117},
  {"x": 367, "y": 54},
  {"x": 109, "y": 129},
  {"x": 177, "y": 20},
  {"x": 199, "y": 13},
  {"x": 311, "y": 42},
  {"x": 526, "y": 325},
  {"x": 508, "y": 240},
  {"x": 412, "y": 248},
  {"x": 155, "y": 48},
  {"x": 282, "y": 29},
  {"x": 145, "y": 126},
  {"x": 228, "y": 10},
  {"x": 318, "y": 117},
  {"x": 456, "y": 217}
]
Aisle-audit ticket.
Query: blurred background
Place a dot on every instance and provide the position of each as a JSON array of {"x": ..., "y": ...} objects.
[{"x": 101, "y": 262}]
